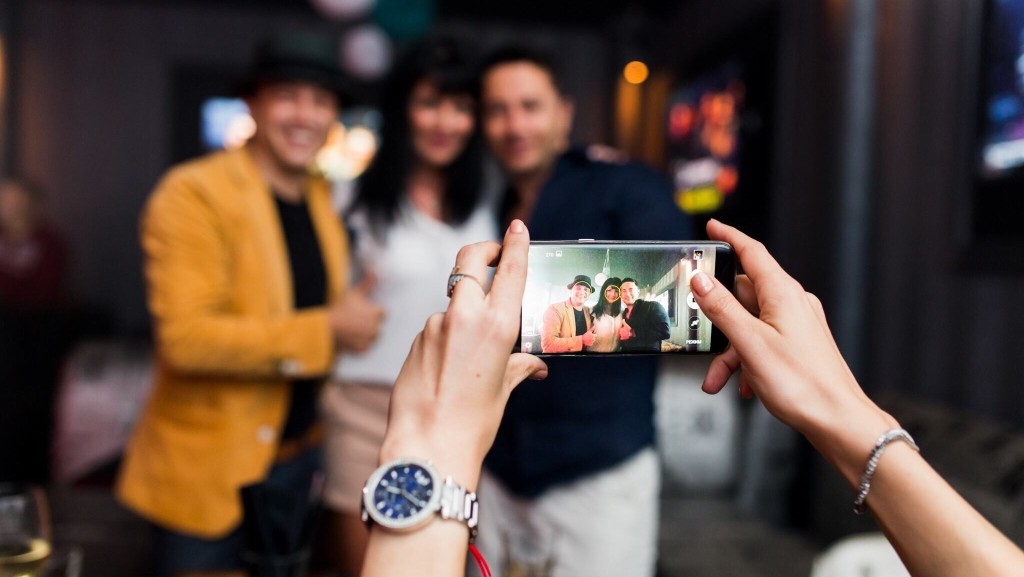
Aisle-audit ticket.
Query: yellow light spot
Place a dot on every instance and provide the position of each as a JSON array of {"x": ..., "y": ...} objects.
[
  {"x": 699, "y": 200},
  {"x": 635, "y": 72}
]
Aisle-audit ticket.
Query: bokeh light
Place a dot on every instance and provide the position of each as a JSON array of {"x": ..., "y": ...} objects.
[
  {"x": 635, "y": 72},
  {"x": 343, "y": 9},
  {"x": 366, "y": 52}
]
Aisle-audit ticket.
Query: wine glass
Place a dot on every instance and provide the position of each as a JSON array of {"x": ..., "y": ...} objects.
[{"x": 24, "y": 531}]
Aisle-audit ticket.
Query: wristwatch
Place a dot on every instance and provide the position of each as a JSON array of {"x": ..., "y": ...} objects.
[{"x": 404, "y": 494}]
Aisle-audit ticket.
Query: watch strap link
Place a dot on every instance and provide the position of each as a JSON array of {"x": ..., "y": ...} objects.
[{"x": 459, "y": 504}]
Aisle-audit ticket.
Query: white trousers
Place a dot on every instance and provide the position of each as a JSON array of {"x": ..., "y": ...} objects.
[{"x": 603, "y": 525}]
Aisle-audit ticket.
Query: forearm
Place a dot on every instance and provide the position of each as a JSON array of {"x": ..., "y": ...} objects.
[
  {"x": 934, "y": 530},
  {"x": 437, "y": 550},
  {"x": 294, "y": 345}
]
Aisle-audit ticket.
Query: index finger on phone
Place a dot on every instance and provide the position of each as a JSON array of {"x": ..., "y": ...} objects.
[
  {"x": 757, "y": 262},
  {"x": 472, "y": 262},
  {"x": 724, "y": 310},
  {"x": 510, "y": 278}
]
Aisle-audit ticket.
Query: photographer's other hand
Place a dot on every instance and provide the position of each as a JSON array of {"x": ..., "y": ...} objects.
[
  {"x": 355, "y": 319},
  {"x": 782, "y": 345}
]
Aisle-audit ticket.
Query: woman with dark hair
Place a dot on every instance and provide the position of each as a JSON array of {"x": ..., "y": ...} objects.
[
  {"x": 607, "y": 314},
  {"x": 419, "y": 202}
]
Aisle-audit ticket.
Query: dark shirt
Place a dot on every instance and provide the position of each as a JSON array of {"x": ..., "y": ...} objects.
[
  {"x": 309, "y": 282},
  {"x": 649, "y": 323},
  {"x": 581, "y": 321},
  {"x": 590, "y": 414}
]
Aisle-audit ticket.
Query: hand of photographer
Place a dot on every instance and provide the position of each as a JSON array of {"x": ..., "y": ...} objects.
[
  {"x": 450, "y": 396},
  {"x": 782, "y": 346}
]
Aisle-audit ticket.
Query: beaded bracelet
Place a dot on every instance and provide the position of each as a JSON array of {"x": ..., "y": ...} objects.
[{"x": 876, "y": 454}]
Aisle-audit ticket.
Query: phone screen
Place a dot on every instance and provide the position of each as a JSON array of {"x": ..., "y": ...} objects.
[{"x": 603, "y": 297}]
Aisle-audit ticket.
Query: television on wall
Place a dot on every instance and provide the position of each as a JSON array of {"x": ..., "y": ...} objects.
[{"x": 997, "y": 196}]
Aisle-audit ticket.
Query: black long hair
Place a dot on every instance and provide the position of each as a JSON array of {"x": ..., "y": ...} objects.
[
  {"x": 445, "y": 62},
  {"x": 603, "y": 307}
]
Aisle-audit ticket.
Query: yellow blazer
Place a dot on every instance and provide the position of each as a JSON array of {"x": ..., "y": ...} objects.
[
  {"x": 558, "y": 331},
  {"x": 228, "y": 340}
]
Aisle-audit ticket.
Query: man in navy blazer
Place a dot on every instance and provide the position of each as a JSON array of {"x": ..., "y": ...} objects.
[
  {"x": 645, "y": 323},
  {"x": 586, "y": 434}
]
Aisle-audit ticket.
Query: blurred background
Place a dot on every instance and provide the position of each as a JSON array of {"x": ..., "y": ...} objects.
[{"x": 876, "y": 147}]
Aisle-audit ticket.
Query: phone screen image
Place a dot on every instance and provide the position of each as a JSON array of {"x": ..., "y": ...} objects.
[{"x": 620, "y": 298}]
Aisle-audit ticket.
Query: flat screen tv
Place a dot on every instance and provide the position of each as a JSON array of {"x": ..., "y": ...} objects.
[{"x": 997, "y": 200}]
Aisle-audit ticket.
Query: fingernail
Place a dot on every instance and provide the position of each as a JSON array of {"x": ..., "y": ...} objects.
[
  {"x": 517, "y": 226},
  {"x": 701, "y": 283}
]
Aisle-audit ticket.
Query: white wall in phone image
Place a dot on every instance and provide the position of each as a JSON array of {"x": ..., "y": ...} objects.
[{"x": 690, "y": 329}]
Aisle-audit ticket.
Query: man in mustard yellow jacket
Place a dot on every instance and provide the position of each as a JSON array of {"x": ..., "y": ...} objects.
[
  {"x": 567, "y": 325},
  {"x": 246, "y": 269}
]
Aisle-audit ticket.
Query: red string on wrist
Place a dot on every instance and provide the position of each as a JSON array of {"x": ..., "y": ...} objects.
[{"x": 485, "y": 570}]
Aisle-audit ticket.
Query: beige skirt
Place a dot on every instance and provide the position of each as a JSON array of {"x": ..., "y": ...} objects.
[{"x": 355, "y": 417}]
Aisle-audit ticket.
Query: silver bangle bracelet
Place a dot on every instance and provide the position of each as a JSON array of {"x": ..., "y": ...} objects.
[{"x": 889, "y": 436}]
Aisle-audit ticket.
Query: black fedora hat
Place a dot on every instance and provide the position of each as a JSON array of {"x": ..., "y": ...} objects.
[
  {"x": 300, "y": 56},
  {"x": 582, "y": 279}
]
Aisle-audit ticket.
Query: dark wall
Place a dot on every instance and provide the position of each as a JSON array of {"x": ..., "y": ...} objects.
[
  {"x": 932, "y": 327},
  {"x": 94, "y": 111},
  {"x": 939, "y": 328}
]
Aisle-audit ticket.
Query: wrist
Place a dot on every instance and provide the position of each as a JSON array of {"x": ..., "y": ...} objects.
[
  {"x": 846, "y": 436},
  {"x": 449, "y": 458}
]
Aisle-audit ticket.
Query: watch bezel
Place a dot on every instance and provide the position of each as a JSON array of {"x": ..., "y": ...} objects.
[{"x": 415, "y": 520}]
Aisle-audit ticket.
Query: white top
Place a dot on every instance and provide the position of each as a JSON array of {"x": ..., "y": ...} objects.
[
  {"x": 606, "y": 334},
  {"x": 412, "y": 263}
]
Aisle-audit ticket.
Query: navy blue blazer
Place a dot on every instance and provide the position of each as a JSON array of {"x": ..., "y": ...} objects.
[
  {"x": 649, "y": 322},
  {"x": 590, "y": 414}
]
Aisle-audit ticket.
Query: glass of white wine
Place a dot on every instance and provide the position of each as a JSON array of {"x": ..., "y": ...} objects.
[{"x": 24, "y": 531}]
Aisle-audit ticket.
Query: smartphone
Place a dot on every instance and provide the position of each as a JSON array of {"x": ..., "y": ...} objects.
[{"x": 591, "y": 297}]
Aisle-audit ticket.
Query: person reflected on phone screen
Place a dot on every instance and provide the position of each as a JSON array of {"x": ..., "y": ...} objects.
[
  {"x": 568, "y": 326},
  {"x": 645, "y": 323},
  {"x": 607, "y": 318}
]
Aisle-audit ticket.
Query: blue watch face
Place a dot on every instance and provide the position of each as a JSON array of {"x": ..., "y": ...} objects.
[{"x": 403, "y": 491}]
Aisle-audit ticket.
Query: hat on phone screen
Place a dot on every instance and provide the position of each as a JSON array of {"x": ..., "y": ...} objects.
[
  {"x": 581, "y": 279},
  {"x": 296, "y": 56}
]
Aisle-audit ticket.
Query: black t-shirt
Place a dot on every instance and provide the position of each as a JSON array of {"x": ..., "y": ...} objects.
[
  {"x": 309, "y": 288},
  {"x": 581, "y": 321}
]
